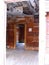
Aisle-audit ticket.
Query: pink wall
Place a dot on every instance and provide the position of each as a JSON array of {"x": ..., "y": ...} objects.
[{"x": 47, "y": 33}]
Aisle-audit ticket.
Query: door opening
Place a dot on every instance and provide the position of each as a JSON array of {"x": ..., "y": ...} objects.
[{"x": 20, "y": 36}]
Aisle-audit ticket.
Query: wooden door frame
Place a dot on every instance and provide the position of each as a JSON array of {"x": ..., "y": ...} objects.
[{"x": 15, "y": 34}]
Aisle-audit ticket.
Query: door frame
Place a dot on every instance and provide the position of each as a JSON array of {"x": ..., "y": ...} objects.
[{"x": 15, "y": 34}]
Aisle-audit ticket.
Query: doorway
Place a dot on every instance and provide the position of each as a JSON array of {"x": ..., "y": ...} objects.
[{"x": 20, "y": 42}]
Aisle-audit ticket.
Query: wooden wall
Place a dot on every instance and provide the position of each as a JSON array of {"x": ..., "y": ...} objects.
[
  {"x": 31, "y": 32},
  {"x": 10, "y": 33},
  {"x": 32, "y": 37}
]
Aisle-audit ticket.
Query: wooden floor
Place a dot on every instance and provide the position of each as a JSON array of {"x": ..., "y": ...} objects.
[{"x": 21, "y": 57}]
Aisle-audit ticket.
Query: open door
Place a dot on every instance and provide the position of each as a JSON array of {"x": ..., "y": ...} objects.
[
  {"x": 21, "y": 33},
  {"x": 20, "y": 40}
]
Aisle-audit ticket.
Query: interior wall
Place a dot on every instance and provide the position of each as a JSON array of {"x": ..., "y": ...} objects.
[
  {"x": 10, "y": 35},
  {"x": 31, "y": 32}
]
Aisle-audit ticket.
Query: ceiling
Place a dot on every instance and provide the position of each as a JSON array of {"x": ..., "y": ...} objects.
[{"x": 30, "y": 7}]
